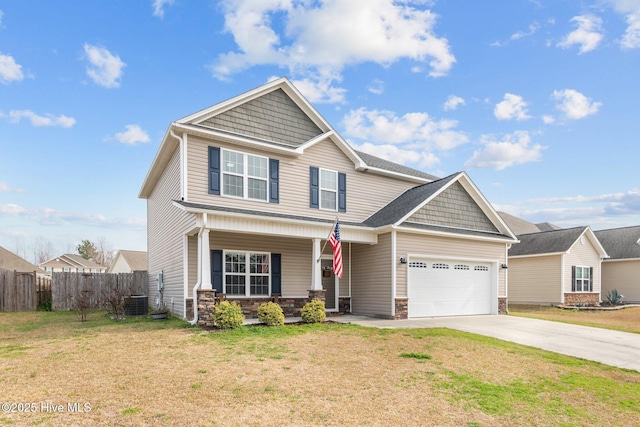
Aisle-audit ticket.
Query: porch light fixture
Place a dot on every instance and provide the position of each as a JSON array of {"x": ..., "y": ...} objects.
[
  {"x": 403, "y": 260},
  {"x": 505, "y": 266}
]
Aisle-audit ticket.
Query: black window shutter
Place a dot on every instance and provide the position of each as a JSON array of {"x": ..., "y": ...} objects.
[
  {"x": 573, "y": 278},
  {"x": 274, "y": 179},
  {"x": 214, "y": 170},
  {"x": 590, "y": 279},
  {"x": 314, "y": 187},
  {"x": 276, "y": 274},
  {"x": 216, "y": 270},
  {"x": 342, "y": 192}
]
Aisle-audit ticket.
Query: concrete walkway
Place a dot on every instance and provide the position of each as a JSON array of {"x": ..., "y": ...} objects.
[{"x": 621, "y": 349}]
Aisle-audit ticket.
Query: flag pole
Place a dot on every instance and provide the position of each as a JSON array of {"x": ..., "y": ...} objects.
[{"x": 333, "y": 227}]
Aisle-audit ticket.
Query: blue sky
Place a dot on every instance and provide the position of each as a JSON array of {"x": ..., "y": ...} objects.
[{"x": 536, "y": 99}]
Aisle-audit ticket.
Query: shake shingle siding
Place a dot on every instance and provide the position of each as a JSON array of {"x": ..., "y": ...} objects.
[
  {"x": 454, "y": 208},
  {"x": 272, "y": 117},
  {"x": 165, "y": 242}
]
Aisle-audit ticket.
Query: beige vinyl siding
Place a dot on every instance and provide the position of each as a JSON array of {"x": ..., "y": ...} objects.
[
  {"x": 535, "y": 280},
  {"x": 583, "y": 255},
  {"x": 166, "y": 226},
  {"x": 366, "y": 193},
  {"x": 192, "y": 260},
  {"x": 421, "y": 244},
  {"x": 624, "y": 276},
  {"x": 371, "y": 292},
  {"x": 296, "y": 258}
]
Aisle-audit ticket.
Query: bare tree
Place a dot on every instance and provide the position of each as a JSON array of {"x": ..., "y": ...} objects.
[
  {"x": 21, "y": 246},
  {"x": 104, "y": 254},
  {"x": 42, "y": 250}
]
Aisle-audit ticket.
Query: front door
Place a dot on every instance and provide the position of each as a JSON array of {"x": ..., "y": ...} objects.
[{"x": 329, "y": 284}]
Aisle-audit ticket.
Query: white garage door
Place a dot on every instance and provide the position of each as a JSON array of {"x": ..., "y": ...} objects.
[{"x": 448, "y": 288}]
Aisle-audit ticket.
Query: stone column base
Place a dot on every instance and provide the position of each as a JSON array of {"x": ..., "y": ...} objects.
[
  {"x": 317, "y": 294},
  {"x": 588, "y": 299},
  {"x": 206, "y": 307}
]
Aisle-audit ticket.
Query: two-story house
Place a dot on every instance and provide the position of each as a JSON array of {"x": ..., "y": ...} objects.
[{"x": 242, "y": 195}]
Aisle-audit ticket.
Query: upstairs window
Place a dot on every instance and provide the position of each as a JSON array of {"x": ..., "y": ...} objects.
[
  {"x": 244, "y": 175},
  {"x": 327, "y": 189},
  {"x": 237, "y": 174}
]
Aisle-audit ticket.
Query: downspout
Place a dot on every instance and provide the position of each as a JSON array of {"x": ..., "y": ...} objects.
[{"x": 199, "y": 282}]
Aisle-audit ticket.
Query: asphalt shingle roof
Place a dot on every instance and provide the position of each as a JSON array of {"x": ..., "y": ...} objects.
[
  {"x": 620, "y": 243},
  {"x": 377, "y": 162},
  {"x": 546, "y": 242},
  {"x": 406, "y": 202}
]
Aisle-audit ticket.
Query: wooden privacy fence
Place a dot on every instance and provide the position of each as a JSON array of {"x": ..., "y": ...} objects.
[
  {"x": 65, "y": 287},
  {"x": 23, "y": 291}
]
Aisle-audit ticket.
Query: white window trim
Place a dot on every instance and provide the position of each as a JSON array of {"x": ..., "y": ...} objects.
[
  {"x": 321, "y": 189},
  {"x": 247, "y": 273},
  {"x": 245, "y": 175},
  {"x": 575, "y": 284}
]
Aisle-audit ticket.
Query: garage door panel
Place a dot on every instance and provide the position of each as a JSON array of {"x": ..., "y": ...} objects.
[{"x": 443, "y": 288}]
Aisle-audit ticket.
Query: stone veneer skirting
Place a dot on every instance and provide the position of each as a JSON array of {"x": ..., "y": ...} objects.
[
  {"x": 502, "y": 306},
  {"x": 291, "y": 307},
  {"x": 402, "y": 309},
  {"x": 582, "y": 298}
]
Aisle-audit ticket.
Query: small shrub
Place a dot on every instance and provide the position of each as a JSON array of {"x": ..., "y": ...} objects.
[
  {"x": 271, "y": 314},
  {"x": 614, "y": 297},
  {"x": 116, "y": 300},
  {"x": 228, "y": 315},
  {"x": 313, "y": 312},
  {"x": 415, "y": 355},
  {"x": 82, "y": 304}
]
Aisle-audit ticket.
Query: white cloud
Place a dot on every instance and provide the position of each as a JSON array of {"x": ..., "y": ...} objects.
[
  {"x": 320, "y": 88},
  {"x": 575, "y": 105},
  {"x": 579, "y": 210},
  {"x": 453, "y": 102},
  {"x": 396, "y": 154},
  {"x": 513, "y": 149},
  {"x": 631, "y": 11},
  {"x": 6, "y": 188},
  {"x": 417, "y": 130},
  {"x": 15, "y": 116},
  {"x": 376, "y": 87},
  {"x": 520, "y": 34},
  {"x": 9, "y": 70},
  {"x": 319, "y": 39},
  {"x": 49, "y": 216},
  {"x": 105, "y": 69},
  {"x": 132, "y": 135},
  {"x": 548, "y": 119},
  {"x": 587, "y": 35},
  {"x": 158, "y": 7},
  {"x": 511, "y": 107}
]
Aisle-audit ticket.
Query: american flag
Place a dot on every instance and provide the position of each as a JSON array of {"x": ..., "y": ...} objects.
[{"x": 335, "y": 242}]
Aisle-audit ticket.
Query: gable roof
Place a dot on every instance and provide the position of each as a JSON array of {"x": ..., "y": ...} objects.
[
  {"x": 405, "y": 205},
  {"x": 554, "y": 242},
  {"x": 621, "y": 243},
  {"x": 11, "y": 261},
  {"x": 72, "y": 260},
  {"x": 136, "y": 260},
  {"x": 521, "y": 226},
  {"x": 302, "y": 116}
]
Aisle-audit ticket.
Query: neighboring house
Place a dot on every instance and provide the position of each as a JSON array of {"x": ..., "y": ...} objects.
[
  {"x": 72, "y": 263},
  {"x": 556, "y": 267},
  {"x": 11, "y": 261},
  {"x": 622, "y": 270},
  {"x": 242, "y": 195},
  {"x": 128, "y": 262}
]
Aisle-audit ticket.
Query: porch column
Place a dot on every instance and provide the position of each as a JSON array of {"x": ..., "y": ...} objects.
[
  {"x": 316, "y": 267},
  {"x": 205, "y": 260}
]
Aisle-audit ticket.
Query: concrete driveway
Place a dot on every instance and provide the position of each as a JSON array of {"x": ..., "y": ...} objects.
[{"x": 621, "y": 349}]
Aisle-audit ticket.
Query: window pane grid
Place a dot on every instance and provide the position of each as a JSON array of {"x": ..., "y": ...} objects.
[{"x": 243, "y": 267}]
